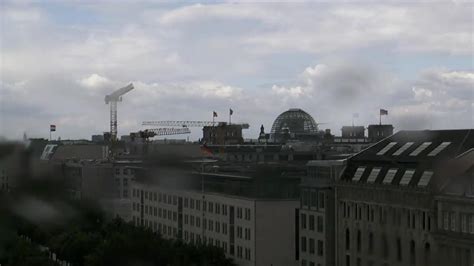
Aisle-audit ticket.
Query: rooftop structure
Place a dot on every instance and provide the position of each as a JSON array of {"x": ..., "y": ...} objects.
[{"x": 294, "y": 123}]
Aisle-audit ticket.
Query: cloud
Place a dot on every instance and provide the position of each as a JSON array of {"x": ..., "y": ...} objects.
[
  {"x": 430, "y": 100},
  {"x": 94, "y": 81},
  {"x": 188, "y": 60}
]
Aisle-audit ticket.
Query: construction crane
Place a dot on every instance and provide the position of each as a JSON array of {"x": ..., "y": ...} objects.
[
  {"x": 149, "y": 133},
  {"x": 113, "y": 99},
  {"x": 185, "y": 124}
]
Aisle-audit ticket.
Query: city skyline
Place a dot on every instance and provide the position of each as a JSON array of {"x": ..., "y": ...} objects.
[{"x": 60, "y": 59}]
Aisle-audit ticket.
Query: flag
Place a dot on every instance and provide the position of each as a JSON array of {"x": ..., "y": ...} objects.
[
  {"x": 231, "y": 112},
  {"x": 214, "y": 114},
  {"x": 206, "y": 150},
  {"x": 52, "y": 128},
  {"x": 383, "y": 112}
]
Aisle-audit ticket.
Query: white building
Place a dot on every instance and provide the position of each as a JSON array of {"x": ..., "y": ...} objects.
[{"x": 250, "y": 230}]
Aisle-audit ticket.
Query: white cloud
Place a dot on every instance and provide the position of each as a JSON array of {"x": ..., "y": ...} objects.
[
  {"x": 421, "y": 93},
  {"x": 95, "y": 81},
  {"x": 190, "y": 60},
  {"x": 18, "y": 14}
]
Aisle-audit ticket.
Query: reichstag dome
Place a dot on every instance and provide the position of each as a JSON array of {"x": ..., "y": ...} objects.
[{"x": 294, "y": 123}]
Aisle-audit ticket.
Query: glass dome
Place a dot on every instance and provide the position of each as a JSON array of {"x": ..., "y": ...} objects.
[{"x": 294, "y": 121}]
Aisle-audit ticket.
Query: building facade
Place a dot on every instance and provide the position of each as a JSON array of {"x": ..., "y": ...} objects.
[
  {"x": 386, "y": 204},
  {"x": 317, "y": 213}
]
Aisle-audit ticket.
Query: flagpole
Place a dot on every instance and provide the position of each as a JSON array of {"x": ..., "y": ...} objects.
[{"x": 380, "y": 117}]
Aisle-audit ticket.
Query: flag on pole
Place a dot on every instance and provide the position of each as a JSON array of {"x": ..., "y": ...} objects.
[
  {"x": 206, "y": 150},
  {"x": 383, "y": 112},
  {"x": 231, "y": 112},
  {"x": 52, "y": 128},
  {"x": 214, "y": 114}
]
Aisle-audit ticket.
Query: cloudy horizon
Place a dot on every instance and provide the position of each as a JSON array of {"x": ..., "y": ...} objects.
[{"x": 59, "y": 59}]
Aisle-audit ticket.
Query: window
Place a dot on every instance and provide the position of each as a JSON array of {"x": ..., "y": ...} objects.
[
  {"x": 358, "y": 174},
  {"x": 464, "y": 220},
  {"x": 239, "y": 232},
  {"x": 311, "y": 246},
  {"x": 125, "y": 182},
  {"x": 247, "y": 233},
  {"x": 211, "y": 226},
  {"x": 186, "y": 202},
  {"x": 321, "y": 200},
  {"x": 211, "y": 207},
  {"x": 218, "y": 208},
  {"x": 402, "y": 148},
  {"x": 371, "y": 243},
  {"x": 384, "y": 247},
  {"x": 303, "y": 221},
  {"x": 438, "y": 149},
  {"x": 247, "y": 253},
  {"x": 359, "y": 240},
  {"x": 224, "y": 228},
  {"x": 247, "y": 214},
  {"x": 348, "y": 240},
  {"x": 373, "y": 175},
  {"x": 305, "y": 198},
  {"x": 445, "y": 220},
  {"x": 420, "y": 148},
  {"x": 471, "y": 224},
  {"x": 386, "y": 148},
  {"x": 453, "y": 221},
  {"x": 125, "y": 193},
  {"x": 427, "y": 253},
  {"x": 320, "y": 224},
  {"x": 412, "y": 253},
  {"x": 406, "y": 178},
  {"x": 389, "y": 176},
  {"x": 311, "y": 222},
  {"x": 218, "y": 227},
  {"x": 320, "y": 248},
  {"x": 314, "y": 199},
  {"x": 399, "y": 249},
  {"x": 425, "y": 178}
]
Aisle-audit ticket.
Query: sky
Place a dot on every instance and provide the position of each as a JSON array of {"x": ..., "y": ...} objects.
[{"x": 187, "y": 59}]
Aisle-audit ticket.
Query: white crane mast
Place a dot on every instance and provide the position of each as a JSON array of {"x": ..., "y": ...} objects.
[{"x": 112, "y": 99}]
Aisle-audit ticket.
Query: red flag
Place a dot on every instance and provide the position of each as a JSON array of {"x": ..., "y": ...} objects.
[{"x": 206, "y": 150}]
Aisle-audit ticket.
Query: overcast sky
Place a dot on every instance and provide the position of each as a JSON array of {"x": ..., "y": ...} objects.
[{"x": 60, "y": 58}]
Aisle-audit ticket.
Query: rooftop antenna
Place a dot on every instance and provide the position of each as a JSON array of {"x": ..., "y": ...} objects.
[{"x": 113, "y": 99}]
